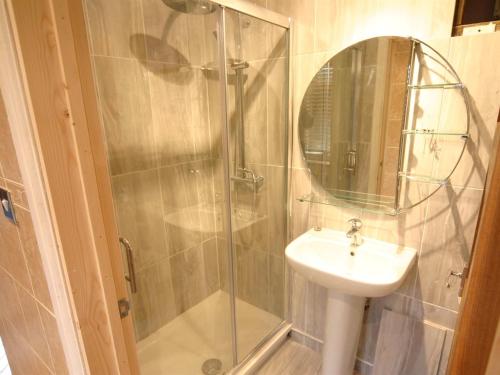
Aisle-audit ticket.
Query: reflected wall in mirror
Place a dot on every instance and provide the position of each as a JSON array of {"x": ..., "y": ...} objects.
[{"x": 370, "y": 120}]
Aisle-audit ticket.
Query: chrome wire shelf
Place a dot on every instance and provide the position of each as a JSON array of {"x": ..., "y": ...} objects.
[
  {"x": 422, "y": 178},
  {"x": 435, "y": 132},
  {"x": 369, "y": 204},
  {"x": 455, "y": 85}
]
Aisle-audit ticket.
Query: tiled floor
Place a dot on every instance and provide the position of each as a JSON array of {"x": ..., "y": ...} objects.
[
  {"x": 4, "y": 364},
  {"x": 293, "y": 359},
  {"x": 203, "y": 332}
]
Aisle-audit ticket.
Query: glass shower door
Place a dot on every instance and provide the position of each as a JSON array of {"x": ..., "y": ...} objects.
[
  {"x": 158, "y": 79},
  {"x": 193, "y": 100},
  {"x": 256, "y": 56}
]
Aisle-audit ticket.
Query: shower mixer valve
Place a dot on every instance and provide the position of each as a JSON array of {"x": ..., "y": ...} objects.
[{"x": 249, "y": 177}]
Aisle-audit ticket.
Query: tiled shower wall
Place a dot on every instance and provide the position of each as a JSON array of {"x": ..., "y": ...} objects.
[
  {"x": 442, "y": 228},
  {"x": 159, "y": 91},
  {"x": 27, "y": 322},
  {"x": 259, "y": 247},
  {"x": 155, "y": 109}
]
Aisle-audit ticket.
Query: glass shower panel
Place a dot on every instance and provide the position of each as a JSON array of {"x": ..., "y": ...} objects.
[
  {"x": 257, "y": 107},
  {"x": 157, "y": 74}
]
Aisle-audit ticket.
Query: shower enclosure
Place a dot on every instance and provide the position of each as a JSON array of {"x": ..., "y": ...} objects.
[{"x": 194, "y": 102}]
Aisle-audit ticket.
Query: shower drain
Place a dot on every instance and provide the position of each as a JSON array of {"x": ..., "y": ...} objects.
[{"x": 212, "y": 366}]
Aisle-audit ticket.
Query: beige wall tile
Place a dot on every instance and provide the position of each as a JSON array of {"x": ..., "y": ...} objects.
[
  {"x": 298, "y": 289},
  {"x": 11, "y": 253},
  {"x": 303, "y": 14},
  {"x": 181, "y": 206},
  {"x": 255, "y": 107},
  {"x": 22, "y": 358},
  {"x": 154, "y": 304},
  {"x": 11, "y": 311},
  {"x": 447, "y": 243},
  {"x": 17, "y": 193},
  {"x": 180, "y": 113},
  {"x": 126, "y": 109},
  {"x": 143, "y": 303},
  {"x": 277, "y": 42},
  {"x": 189, "y": 277},
  {"x": 8, "y": 159},
  {"x": 34, "y": 327},
  {"x": 175, "y": 37},
  {"x": 315, "y": 309},
  {"x": 277, "y": 297},
  {"x": 467, "y": 53},
  {"x": 300, "y": 186},
  {"x": 116, "y": 27},
  {"x": 210, "y": 260},
  {"x": 407, "y": 346},
  {"x": 254, "y": 34},
  {"x": 252, "y": 276},
  {"x": 163, "y": 291},
  {"x": 277, "y": 204},
  {"x": 277, "y": 111},
  {"x": 33, "y": 258},
  {"x": 54, "y": 341},
  {"x": 138, "y": 208},
  {"x": 344, "y": 22},
  {"x": 398, "y": 303},
  {"x": 222, "y": 263}
]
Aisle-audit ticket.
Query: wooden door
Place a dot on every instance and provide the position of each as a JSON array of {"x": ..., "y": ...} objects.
[
  {"x": 54, "y": 54},
  {"x": 481, "y": 305}
]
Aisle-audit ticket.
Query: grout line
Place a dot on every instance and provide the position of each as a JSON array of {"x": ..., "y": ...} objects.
[
  {"x": 170, "y": 256},
  {"x": 407, "y": 354},
  {"x": 364, "y": 361},
  {"x": 27, "y": 291},
  {"x": 191, "y": 66},
  {"x": 179, "y": 164},
  {"x": 427, "y": 303},
  {"x": 14, "y": 182},
  {"x": 21, "y": 336},
  {"x": 302, "y": 333}
]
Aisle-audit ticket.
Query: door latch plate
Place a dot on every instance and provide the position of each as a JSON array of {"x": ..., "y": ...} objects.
[{"x": 123, "y": 307}]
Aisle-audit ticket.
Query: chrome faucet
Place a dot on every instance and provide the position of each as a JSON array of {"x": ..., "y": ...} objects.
[{"x": 354, "y": 232}]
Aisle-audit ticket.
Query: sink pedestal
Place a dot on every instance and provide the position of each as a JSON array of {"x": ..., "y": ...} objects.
[{"x": 344, "y": 317}]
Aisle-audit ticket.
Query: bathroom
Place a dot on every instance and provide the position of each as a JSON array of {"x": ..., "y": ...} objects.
[{"x": 172, "y": 170}]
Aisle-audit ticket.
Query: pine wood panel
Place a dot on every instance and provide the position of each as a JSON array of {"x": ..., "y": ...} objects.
[
  {"x": 47, "y": 265},
  {"x": 481, "y": 305},
  {"x": 79, "y": 59},
  {"x": 53, "y": 79}
]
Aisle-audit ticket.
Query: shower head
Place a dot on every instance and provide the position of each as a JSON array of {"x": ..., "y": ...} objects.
[{"x": 191, "y": 6}]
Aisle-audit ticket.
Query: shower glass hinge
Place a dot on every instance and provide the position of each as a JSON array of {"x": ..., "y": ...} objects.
[{"x": 123, "y": 307}]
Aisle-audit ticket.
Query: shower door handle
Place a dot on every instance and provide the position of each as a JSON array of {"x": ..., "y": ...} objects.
[
  {"x": 130, "y": 264},
  {"x": 351, "y": 161}
]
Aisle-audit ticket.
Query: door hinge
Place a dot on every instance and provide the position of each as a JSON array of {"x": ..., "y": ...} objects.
[{"x": 123, "y": 307}]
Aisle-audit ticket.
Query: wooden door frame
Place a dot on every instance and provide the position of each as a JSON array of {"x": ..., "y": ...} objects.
[
  {"x": 480, "y": 312},
  {"x": 54, "y": 57}
]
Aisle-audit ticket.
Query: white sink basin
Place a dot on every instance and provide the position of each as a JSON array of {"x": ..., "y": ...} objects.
[{"x": 373, "y": 269}]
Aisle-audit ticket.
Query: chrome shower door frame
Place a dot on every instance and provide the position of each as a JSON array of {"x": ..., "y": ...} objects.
[{"x": 286, "y": 23}]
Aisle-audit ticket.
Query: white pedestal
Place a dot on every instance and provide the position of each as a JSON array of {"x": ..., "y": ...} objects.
[{"x": 344, "y": 317}]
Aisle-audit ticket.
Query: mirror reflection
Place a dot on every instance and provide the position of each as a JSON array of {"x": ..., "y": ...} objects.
[{"x": 351, "y": 117}]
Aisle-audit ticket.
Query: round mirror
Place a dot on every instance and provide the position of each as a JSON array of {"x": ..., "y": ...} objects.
[{"x": 383, "y": 125}]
